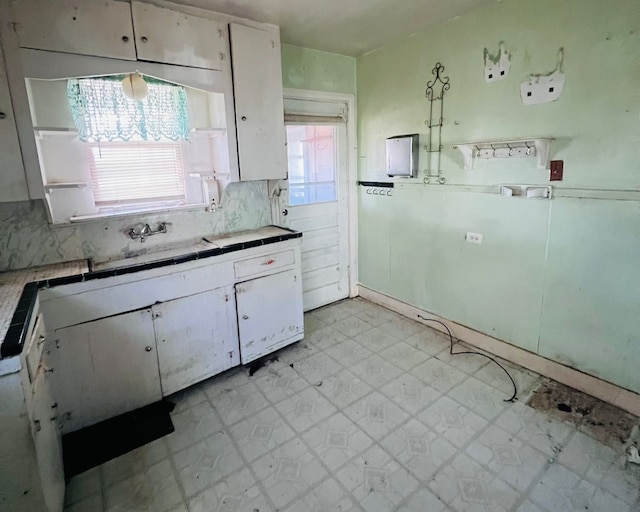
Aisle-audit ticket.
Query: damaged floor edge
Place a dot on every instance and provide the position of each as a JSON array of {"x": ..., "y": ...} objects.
[{"x": 603, "y": 390}]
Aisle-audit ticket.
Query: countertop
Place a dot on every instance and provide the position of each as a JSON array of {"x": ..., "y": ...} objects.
[
  {"x": 19, "y": 288},
  {"x": 14, "y": 311}
]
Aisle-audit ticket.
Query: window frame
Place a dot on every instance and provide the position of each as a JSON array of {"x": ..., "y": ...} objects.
[{"x": 304, "y": 158}]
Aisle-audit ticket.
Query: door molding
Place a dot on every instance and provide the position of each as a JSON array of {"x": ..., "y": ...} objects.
[{"x": 352, "y": 170}]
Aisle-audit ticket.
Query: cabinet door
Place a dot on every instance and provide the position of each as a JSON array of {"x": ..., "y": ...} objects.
[
  {"x": 167, "y": 36},
  {"x": 13, "y": 183},
  {"x": 257, "y": 86},
  {"x": 104, "y": 368},
  {"x": 48, "y": 442},
  {"x": 269, "y": 314},
  {"x": 197, "y": 337},
  {"x": 103, "y": 29}
]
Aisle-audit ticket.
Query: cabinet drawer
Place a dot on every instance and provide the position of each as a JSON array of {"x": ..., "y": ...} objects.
[{"x": 262, "y": 264}]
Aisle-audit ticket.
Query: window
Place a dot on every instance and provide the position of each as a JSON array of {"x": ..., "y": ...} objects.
[
  {"x": 135, "y": 146},
  {"x": 141, "y": 172},
  {"x": 312, "y": 163}
]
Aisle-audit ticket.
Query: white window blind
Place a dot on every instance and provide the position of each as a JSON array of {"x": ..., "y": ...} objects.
[{"x": 126, "y": 173}]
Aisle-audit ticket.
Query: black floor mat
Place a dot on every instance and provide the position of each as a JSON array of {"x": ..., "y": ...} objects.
[{"x": 94, "y": 445}]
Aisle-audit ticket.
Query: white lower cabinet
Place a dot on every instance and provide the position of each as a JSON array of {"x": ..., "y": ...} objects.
[
  {"x": 269, "y": 314},
  {"x": 104, "y": 368},
  {"x": 48, "y": 442},
  {"x": 196, "y": 338},
  {"x": 122, "y": 361}
]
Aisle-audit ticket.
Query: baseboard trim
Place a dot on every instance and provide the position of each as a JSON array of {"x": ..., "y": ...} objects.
[{"x": 606, "y": 391}]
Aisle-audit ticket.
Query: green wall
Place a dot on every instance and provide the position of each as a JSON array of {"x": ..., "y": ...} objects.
[
  {"x": 304, "y": 68},
  {"x": 557, "y": 277}
]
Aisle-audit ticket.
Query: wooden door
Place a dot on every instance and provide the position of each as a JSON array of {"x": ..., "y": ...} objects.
[
  {"x": 269, "y": 314},
  {"x": 197, "y": 337},
  {"x": 257, "y": 85},
  {"x": 104, "y": 368},
  {"x": 318, "y": 206}
]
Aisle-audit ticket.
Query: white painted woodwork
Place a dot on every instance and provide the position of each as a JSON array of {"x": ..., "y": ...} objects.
[
  {"x": 48, "y": 442},
  {"x": 104, "y": 368},
  {"x": 42, "y": 417},
  {"x": 74, "y": 305},
  {"x": 32, "y": 352},
  {"x": 13, "y": 182},
  {"x": 257, "y": 85},
  {"x": 269, "y": 314},
  {"x": 196, "y": 338},
  {"x": 20, "y": 485},
  {"x": 266, "y": 263},
  {"x": 101, "y": 328},
  {"x": 163, "y": 35},
  {"x": 102, "y": 29}
]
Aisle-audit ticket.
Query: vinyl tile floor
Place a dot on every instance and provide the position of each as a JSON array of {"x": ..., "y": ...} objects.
[{"x": 368, "y": 413}]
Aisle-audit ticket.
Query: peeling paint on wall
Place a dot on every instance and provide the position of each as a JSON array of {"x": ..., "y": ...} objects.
[
  {"x": 496, "y": 66},
  {"x": 544, "y": 88}
]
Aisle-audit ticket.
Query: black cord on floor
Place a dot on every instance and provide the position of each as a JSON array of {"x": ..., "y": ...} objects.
[{"x": 515, "y": 389}]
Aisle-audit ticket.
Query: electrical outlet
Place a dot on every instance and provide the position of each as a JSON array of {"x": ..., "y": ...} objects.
[{"x": 473, "y": 238}]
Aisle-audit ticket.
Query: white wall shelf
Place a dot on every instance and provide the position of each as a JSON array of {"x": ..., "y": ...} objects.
[
  {"x": 513, "y": 148},
  {"x": 526, "y": 191}
]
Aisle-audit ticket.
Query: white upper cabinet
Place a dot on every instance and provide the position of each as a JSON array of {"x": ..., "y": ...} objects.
[
  {"x": 171, "y": 37},
  {"x": 103, "y": 29},
  {"x": 108, "y": 29},
  {"x": 257, "y": 86},
  {"x": 12, "y": 178}
]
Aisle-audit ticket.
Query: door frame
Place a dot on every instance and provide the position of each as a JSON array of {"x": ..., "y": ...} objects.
[{"x": 352, "y": 170}]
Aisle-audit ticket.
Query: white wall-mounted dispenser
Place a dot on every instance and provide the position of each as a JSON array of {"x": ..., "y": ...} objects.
[{"x": 402, "y": 155}]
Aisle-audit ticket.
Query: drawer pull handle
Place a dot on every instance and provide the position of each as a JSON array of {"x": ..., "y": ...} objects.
[
  {"x": 269, "y": 262},
  {"x": 41, "y": 340},
  {"x": 148, "y": 349},
  {"x": 245, "y": 317}
]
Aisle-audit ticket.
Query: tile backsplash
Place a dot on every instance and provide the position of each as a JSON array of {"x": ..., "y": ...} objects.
[{"x": 27, "y": 239}]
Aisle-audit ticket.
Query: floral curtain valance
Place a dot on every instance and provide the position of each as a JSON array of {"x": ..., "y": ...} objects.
[{"x": 102, "y": 112}]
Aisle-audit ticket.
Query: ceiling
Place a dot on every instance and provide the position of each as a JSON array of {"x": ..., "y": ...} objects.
[{"x": 350, "y": 27}]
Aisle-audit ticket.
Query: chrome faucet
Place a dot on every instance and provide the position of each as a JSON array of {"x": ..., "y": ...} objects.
[{"x": 146, "y": 231}]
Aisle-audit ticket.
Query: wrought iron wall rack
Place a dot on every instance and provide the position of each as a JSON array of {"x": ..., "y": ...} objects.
[{"x": 436, "y": 89}]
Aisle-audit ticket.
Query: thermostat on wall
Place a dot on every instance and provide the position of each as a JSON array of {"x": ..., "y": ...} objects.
[{"x": 402, "y": 155}]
